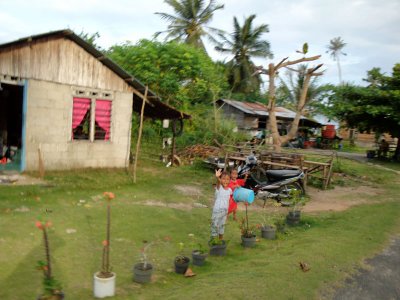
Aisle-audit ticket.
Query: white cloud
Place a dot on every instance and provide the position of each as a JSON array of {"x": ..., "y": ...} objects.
[{"x": 368, "y": 27}]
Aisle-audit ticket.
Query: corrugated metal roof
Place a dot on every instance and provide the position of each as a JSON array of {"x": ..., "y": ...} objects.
[
  {"x": 156, "y": 109},
  {"x": 259, "y": 109}
]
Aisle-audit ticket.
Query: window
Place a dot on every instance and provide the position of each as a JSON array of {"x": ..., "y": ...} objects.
[
  {"x": 81, "y": 119},
  {"x": 91, "y": 119},
  {"x": 102, "y": 120}
]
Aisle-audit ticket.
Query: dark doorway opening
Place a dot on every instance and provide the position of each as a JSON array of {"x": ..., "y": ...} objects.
[{"x": 11, "y": 120}]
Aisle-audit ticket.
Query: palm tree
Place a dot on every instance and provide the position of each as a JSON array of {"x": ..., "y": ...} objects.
[
  {"x": 189, "y": 22},
  {"x": 335, "y": 50},
  {"x": 245, "y": 42},
  {"x": 290, "y": 88}
]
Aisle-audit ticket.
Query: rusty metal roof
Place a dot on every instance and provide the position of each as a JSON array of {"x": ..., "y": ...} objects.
[
  {"x": 260, "y": 109},
  {"x": 156, "y": 108}
]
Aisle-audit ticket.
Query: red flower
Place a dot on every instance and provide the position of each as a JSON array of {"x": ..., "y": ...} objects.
[
  {"x": 105, "y": 243},
  {"x": 39, "y": 225},
  {"x": 109, "y": 195}
]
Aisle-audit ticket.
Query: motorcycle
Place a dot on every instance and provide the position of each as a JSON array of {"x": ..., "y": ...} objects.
[{"x": 272, "y": 184}]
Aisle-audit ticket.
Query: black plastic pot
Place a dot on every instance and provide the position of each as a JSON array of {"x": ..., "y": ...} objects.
[
  {"x": 293, "y": 218},
  {"x": 181, "y": 264},
  {"x": 248, "y": 242},
  {"x": 218, "y": 250},
  {"x": 141, "y": 274},
  {"x": 268, "y": 232},
  {"x": 198, "y": 258}
]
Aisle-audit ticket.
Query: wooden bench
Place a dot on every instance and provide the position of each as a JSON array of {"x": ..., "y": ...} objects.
[{"x": 321, "y": 170}]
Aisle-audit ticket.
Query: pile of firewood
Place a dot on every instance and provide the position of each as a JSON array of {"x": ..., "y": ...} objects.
[{"x": 199, "y": 151}]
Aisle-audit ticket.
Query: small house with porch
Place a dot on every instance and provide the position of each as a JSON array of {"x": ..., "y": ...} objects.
[{"x": 66, "y": 104}]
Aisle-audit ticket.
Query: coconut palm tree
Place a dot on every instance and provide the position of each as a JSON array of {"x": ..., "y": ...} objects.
[
  {"x": 244, "y": 43},
  {"x": 289, "y": 90},
  {"x": 335, "y": 50},
  {"x": 189, "y": 22}
]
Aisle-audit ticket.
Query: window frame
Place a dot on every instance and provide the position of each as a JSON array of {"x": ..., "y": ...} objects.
[{"x": 92, "y": 95}]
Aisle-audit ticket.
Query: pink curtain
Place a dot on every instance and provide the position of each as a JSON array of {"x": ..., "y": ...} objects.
[
  {"x": 81, "y": 106},
  {"x": 103, "y": 116}
]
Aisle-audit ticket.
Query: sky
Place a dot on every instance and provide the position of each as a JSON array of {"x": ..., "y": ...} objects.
[{"x": 370, "y": 28}]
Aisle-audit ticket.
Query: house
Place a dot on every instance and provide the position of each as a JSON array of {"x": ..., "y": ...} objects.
[
  {"x": 253, "y": 117},
  {"x": 63, "y": 101}
]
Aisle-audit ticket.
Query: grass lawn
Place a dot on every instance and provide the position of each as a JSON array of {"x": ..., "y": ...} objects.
[{"x": 332, "y": 244}]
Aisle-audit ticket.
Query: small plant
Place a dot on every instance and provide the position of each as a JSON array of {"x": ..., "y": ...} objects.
[
  {"x": 181, "y": 258},
  {"x": 51, "y": 287},
  {"x": 214, "y": 241},
  {"x": 105, "y": 266},
  {"x": 270, "y": 217},
  {"x": 298, "y": 200},
  {"x": 143, "y": 253},
  {"x": 198, "y": 247},
  {"x": 246, "y": 230}
]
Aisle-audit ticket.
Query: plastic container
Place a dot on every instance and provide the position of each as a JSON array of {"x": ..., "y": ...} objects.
[
  {"x": 243, "y": 195},
  {"x": 329, "y": 132}
]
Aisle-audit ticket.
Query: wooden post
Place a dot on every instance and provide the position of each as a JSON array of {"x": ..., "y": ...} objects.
[
  {"x": 41, "y": 163},
  {"x": 173, "y": 147},
  {"x": 139, "y": 135}
]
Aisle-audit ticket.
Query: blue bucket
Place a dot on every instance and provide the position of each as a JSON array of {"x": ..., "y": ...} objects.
[{"x": 243, "y": 195}]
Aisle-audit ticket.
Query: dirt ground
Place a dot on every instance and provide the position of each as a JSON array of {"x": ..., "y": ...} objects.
[{"x": 339, "y": 198}]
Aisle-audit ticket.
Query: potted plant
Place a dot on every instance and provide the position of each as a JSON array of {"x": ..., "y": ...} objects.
[
  {"x": 51, "y": 287},
  {"x": 217, "y": 246},
  {"x": 104, "y": 280},
  {"x": 268, "y": 226},
  {"x": 247, "y": 231},
  {"x": 199, "y": 254},
  {"x": 181, "y": 261},
  {"x": 297, "y": 202},
  {"x": 142, "y": 271}
]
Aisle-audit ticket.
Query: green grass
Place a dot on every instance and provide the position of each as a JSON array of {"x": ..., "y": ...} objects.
[{"x": 333, "y": 244}]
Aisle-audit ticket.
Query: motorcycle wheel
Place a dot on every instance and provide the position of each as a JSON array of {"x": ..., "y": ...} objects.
[
  {"x": 259, "y": 175},
  {"x": 285, "y": 197}
]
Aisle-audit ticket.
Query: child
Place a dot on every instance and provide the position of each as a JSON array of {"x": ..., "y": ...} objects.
[
  {"x": 233, "y": 184},
  {"x": 221, "y": 204}
]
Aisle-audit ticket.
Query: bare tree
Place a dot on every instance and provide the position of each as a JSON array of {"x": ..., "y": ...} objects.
[{"x": 272, "y": 72}]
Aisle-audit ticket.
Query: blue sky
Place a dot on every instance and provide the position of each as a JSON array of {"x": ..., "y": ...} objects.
[{"x": 369, "y": 27}]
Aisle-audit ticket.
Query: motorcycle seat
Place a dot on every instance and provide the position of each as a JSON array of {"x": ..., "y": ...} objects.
[{"x": 283, "y": 173}]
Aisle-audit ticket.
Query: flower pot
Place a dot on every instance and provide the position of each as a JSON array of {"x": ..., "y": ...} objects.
[
  {"x": 293, "y": 218},
  {"x": 218, "y": 250},
  {"x": 181, "y": 264},
  {"x": 104, "y": 287},
  {"x": 248, "y": 242},
  {"x": 268, "y": 232},
  {"x": 141, "y": 274},
  {"x": 198, "y": 258}
]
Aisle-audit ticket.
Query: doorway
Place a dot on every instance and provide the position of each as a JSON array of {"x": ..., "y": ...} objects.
[{"x": 11, "y": 126}]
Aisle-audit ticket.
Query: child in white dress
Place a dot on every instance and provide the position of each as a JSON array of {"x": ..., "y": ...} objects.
[{"x": 221, "y": 204}]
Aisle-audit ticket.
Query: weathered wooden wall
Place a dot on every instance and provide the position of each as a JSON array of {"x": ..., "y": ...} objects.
[
  {"x": 59, "y": 60},
  {"x": 242, "y": 120}
]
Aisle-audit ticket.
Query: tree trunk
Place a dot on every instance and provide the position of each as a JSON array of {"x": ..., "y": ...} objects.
[{"x": 397, "y": 152}]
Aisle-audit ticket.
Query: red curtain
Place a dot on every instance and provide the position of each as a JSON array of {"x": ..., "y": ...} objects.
[
  {"x": 103, "y": 116},
  {"x": 81, "y": 106}
]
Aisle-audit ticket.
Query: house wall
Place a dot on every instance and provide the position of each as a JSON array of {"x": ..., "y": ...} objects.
[
  {"x": 59, "y": 60},
  {"x": 242, "y": 120},
  {"x": 49, "y": 123}
]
